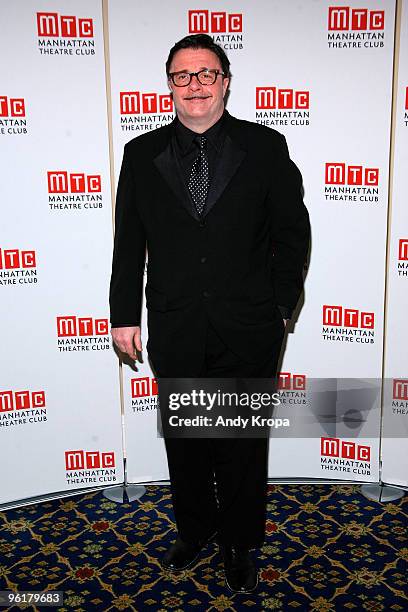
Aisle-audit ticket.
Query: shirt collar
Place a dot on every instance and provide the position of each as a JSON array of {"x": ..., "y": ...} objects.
[{"x": 214, "y": 134}]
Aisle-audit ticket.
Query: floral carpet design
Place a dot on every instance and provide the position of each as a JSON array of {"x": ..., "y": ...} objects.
[{"x": 327, "y": 549}]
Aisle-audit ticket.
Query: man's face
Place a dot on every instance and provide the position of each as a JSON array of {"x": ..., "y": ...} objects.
[{"x": 198, "y": 104}]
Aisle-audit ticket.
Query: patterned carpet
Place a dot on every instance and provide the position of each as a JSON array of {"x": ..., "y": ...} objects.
[{"x": 328, "y": 549}]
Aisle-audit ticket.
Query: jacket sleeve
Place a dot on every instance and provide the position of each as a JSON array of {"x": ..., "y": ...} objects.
[
  {"x": 129, "y": 253},
  {"x": 290, "y": 232}
]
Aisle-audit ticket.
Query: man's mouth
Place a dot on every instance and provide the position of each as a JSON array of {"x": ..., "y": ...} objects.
[{"x": 197, "y": 97}]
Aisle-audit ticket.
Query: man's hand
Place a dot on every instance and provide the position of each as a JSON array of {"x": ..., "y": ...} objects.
[{"x": 127, "y": 339}]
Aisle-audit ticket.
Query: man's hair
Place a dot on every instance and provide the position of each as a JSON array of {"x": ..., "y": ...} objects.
[{"x": 200, "y": 41}]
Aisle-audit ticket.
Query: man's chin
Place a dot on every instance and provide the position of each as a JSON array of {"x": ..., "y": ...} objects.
[
  {"x": 198, "y": 105},
  {"x": 198, "y": 111}
]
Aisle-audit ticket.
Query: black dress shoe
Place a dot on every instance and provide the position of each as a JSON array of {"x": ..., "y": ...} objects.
[
  {"x": 241, "y": 575},
  {"x": 182, "y": 555}
]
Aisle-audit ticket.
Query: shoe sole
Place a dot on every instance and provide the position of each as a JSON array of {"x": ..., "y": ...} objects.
[{"x": 193, "y": 561}]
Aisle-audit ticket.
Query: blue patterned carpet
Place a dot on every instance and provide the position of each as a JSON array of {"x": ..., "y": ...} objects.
[{"x": 328, "y": 549}]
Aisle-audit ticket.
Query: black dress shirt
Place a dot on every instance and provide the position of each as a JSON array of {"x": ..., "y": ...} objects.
[{"x": 187, "y": 150}]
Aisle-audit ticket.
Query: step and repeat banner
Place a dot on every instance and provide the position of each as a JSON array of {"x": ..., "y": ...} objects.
[
  {"x": 321, "y": 74},
  {"x": 395, "y": 412},
  {"x": 307, "y": 70}
]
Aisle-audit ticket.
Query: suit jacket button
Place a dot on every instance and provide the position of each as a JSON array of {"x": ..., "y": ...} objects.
[
  {"x": 206, "y": 294},
  {"x": 203, "y": 259}
]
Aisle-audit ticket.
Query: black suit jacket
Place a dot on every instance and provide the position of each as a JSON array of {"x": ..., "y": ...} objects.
[{"x": 233, "y": 266}]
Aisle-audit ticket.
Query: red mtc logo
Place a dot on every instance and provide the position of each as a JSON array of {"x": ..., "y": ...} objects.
[
  {"x": 403, "y": 249},
  {"x": 67, "y": 26},
  {"x": 21, "y": 400},
  {"x": 347, "y": 317},
  {"x": 12, "y": 107},
  {"x": 60, "y": 181},
  {"x": 291, "y": 382},
  {"x": 334, "y": 447},
  {"x": 274, "y": 98},
  {"x": 406, "y": 98},
  {"x": 79, "y": 460},
  {"x": 340, "y": 174},
  {"x": 134, "y": 103},
  {"x": 217, "y": 22},
  {"x": 81, "y": 326},
  {"x": 143, "y": 387},
  {"x": 347, "y": 18},
  {"x": 400, "y": 389},
  {"x": 12, "y": 259}
]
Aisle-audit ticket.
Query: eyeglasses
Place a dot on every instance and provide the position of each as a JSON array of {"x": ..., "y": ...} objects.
[{"x": 204, "y": 77}]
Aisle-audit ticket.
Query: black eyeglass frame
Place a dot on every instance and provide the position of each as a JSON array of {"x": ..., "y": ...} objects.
[{"x": 196, "y": 74}]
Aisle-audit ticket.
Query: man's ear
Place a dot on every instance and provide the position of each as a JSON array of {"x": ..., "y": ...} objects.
[{"x": 225, "y": 85}]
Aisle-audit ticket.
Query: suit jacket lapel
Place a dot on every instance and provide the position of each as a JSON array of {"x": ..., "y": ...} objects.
[
  {"x": 231, "y": 157},
  {"x": 167, "y": 164}
]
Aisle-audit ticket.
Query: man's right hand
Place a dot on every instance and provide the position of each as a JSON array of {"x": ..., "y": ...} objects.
[{"x": 127, "y": 339}]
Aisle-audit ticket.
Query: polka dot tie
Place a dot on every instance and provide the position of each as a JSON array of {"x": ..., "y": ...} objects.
[{"x": 200, "y": 176}]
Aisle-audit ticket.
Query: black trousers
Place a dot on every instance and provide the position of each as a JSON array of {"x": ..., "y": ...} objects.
[{"x": 220, "y": 483}]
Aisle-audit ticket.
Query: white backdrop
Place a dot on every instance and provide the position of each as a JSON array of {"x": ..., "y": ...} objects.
[
  {"x": 56, "y": 235},
  {"x": 66, "y": 131}
]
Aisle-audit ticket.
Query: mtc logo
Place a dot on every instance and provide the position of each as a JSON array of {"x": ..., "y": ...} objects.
[
  {"x": 217, "y": 22},
  {"x": 340, "y": 174},
  {"x": 399, "y": 389},
  {"x": 274, "y": 98},
  {"x": 12, "y": 107},
  {"x": 79, "y": 460},
  {"x": 334, "y": 447},
  {"x": 291, "y": 382},
  {"x": 12, "y": 259},
  {"x": 81, "y": 326},
  {"x": 134, "y": 103},
  {"x": 347, "y": 317},
  {"x": 143, "y": 387},
  {"x": 21, "y": 400},
  {"x": 402, "y": 251},
  {"x": 347, "y": 18},
  {"x": 60, "y": 181},
  {"x": 406, "y": 98},
  {"x": 67, "y": 26}
]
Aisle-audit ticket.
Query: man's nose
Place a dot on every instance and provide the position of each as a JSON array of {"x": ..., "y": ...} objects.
[{"x": 195, "y": 83}]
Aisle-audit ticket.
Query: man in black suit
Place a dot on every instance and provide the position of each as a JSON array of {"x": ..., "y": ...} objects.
[{"x": 217, "y": 203}]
